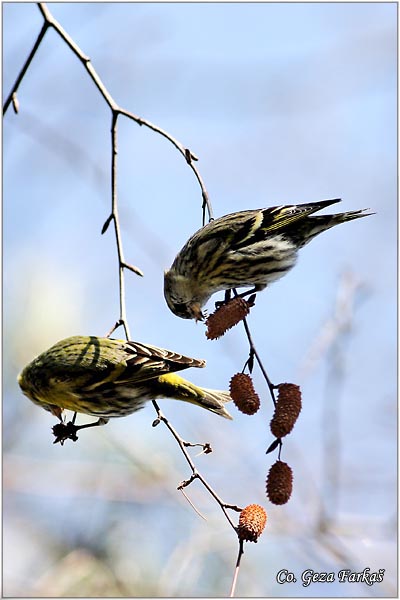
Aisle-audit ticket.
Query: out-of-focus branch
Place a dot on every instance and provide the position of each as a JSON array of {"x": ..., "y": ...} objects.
[
  {"x": 330, "y": 344},
  {"x": 350, "y": 289}
]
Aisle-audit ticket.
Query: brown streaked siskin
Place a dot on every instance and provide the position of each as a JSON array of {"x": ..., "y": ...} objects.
[
  {"x": 247, "y": 249},
  {"x": 107, "y": 378}
]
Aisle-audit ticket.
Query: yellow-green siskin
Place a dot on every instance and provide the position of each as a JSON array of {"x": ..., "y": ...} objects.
[
  {"x": 112, "y": 378},
  {"x": 251, "y": 248}
]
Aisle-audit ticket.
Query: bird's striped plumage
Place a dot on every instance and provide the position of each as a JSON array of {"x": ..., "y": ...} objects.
[
  {"x": 243, "y": 249},
  {"x": 112, "y": 378}
]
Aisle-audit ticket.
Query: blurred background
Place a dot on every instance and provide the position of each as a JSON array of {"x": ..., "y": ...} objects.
[{"x": 282, "y": 103}]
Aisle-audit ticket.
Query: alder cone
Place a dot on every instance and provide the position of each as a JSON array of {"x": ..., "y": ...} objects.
[
  {"x": 226, "y": 316},
  {"x": 252, "y": 521},
  {"x": 279, "y": 483},
  {"x": 287, "y": 409},
  {"x": 243, "y": 394}
]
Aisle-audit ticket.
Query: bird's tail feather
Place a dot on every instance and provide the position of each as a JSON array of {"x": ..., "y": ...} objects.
[
  {"x": 172, "y": 385},
  {"x": 214, "y": 400},
  {"x": 349, "y": 216},
  {"x": 319, "y": 223}
]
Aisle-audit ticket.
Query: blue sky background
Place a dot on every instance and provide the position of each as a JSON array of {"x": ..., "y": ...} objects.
[{"x": 282, "y": 103}]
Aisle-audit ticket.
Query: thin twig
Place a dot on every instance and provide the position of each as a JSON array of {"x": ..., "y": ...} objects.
[
  {"x": 186, "y": 153},
  {"x": 85, "y": 60},
  {"x": 195, "y": 473},
  {"x": 116, "y": 110},
  {"x": 271, "y": 386},
  {"x": 236, "y": 573},
  {"x": 25, "y": 67},
  {"x": 114, "y": 213},
  {"x": 50, "y": 21},
  {"x": 196, "y": 510},
  {"x": 254, "y": 353}
]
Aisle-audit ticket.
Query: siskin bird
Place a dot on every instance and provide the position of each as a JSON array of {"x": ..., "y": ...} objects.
[
  {"x": 251, "y": 248},
  {"x": 107, "y": 378}
]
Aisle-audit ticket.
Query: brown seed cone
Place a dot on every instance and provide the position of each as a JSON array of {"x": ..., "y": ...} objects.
[
  {"x": 279, "y": 483},
  {"x": 226, "y": 316},
  {"x": 287, "y": 409},
  {"x": 252, "y": 521},
  {"x": 243, "y": 394}
]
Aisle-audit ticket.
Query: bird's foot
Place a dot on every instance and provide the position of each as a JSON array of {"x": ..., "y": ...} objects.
[{"x": 67, "y": 431}]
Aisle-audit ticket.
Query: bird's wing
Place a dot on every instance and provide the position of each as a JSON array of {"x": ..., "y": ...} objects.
[
  {"x": 143, "y": 362},
  {"x": 280, "y": 217},
  {"x": 234, "y": 231},
  {"x": 90, "y": 363},
  {"x": 252, "y": 226},
  {"x": 204, "y": 248}
]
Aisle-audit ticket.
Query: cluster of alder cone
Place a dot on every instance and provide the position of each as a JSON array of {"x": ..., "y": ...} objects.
[{"x": 279, "y": 481}]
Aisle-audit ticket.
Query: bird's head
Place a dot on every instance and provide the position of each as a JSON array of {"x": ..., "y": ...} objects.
[
  {"x": 182, "y": 299},
  {"x": 27, "y": 381}
]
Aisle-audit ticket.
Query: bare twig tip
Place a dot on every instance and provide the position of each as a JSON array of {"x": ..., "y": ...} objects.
[
  {"x": 187, "y": 482},
  {"x": 114, "y": 327},
  {"x": 192, "y": 505},
  {"x": 133, "y": 269},
  {"x": 15, "y": 103}
]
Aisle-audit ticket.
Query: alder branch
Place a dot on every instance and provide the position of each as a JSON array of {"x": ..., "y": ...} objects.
[
  {"x": 13, "y": 94},
  {"x": 236, "y": 573},
  {"x": 50, "y": 21},
  {"x": 115, "y": 218},
  {"x": 253, "y": 352},
  {"x": 187, "y": 154},
  {"x": 190, "y": 158},
  {"x": 195, "y": 473}
]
